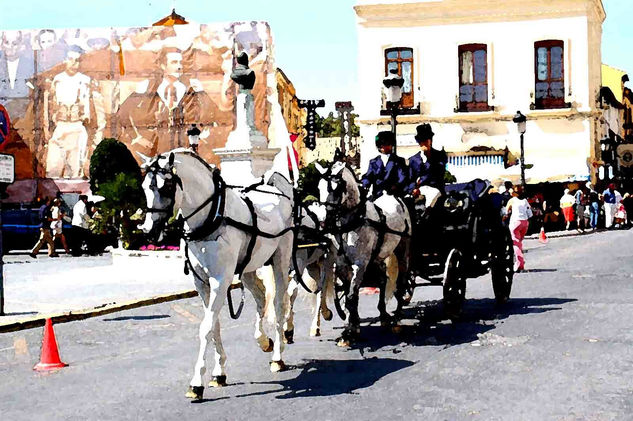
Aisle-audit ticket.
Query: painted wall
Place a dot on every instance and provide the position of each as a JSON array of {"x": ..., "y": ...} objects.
[
  {"x": 560, "y": 143},
  {"x": 67, "y": 89}
]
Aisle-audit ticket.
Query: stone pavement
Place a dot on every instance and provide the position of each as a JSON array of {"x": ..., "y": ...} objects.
[{"x": 70, "y": 288}]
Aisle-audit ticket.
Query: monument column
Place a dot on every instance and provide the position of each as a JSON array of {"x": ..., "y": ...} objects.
[{"x": 246, "y": 155}]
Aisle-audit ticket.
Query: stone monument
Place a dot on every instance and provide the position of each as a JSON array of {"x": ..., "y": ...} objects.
[{"x": 246, "y": 156}]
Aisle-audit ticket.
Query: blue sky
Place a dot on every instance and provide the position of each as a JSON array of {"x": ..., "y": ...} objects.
[{"x": 315, "y": 41}]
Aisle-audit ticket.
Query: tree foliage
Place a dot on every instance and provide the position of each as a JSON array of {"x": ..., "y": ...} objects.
[
  {"x": 115, "y": 175},
  {"x": 330, "y": 126}
]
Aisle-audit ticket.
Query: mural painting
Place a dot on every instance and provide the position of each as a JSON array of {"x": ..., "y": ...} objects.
[{"x": 67, "y": 89}]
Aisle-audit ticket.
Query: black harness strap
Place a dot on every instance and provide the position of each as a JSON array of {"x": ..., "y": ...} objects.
[
  {"x": 251, "y": 243},
  {"x": 381, "y": 228}
]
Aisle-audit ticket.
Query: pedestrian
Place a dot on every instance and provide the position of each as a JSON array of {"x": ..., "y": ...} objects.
[
  {"x": 45, "y": 233},
  {"x": 627, "y": 201},
  {"x": 620, "y": 215},
  {"x": 519, "y": 211},
  {"x": 579, "y": 202},
  {"x": 567, "y": 207},
  {"x": 611, "y": 199},
  {"x": 81, "y": 225},
  {"x": 594, "y": 206},
  {"x": 57, "y": 222}
]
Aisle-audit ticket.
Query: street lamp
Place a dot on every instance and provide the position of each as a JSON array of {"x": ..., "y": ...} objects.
[
  {"x": 520, "y": 121},
  {"x": 194, "y": 137},
  {"x": 393, "y": 86}
]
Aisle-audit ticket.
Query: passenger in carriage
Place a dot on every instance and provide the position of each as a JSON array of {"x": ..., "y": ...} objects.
[
  {"x": 427, "y": 167},
  {"x": 387, "y": 173}
]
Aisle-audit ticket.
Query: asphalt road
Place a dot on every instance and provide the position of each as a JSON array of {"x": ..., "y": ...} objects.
[{"x": 561, "y": 349}]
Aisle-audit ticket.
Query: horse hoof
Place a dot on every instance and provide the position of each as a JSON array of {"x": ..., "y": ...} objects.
[
  {"x": 217, "y": 381},
  {"x": 289, "y": 336},
  {"x": 195, "y": 393},
  {"x": 277, "y": 366},
  {"x": 343, "y": 343},
  {"x": 327, "y": 314},
  {"x": 268, "y": 347},
  {"x": 315, "y": 332}
]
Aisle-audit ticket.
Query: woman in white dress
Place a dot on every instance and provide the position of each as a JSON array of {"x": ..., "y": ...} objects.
[{"x": 57, "y": 216}]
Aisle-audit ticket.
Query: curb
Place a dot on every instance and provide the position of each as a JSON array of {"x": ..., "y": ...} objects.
[{"x": 101, "y": 310}]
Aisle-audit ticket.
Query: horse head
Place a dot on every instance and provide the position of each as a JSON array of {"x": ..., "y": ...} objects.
[
  {"x": 159, "y": 185},
  {"x": 338, "y": 187}
]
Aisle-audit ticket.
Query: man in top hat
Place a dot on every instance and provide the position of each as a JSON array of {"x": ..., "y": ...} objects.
[
  {"x": 387, "y": 173},
  {"x": 427, "y": 167}
]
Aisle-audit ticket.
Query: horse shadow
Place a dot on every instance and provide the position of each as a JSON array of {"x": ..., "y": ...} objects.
[
  {"x": 425, "y": 323},
  {"x": 333, "y": 377}
]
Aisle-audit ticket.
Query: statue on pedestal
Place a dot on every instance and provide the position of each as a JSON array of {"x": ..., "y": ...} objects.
[{"x": 242, "y": 74}]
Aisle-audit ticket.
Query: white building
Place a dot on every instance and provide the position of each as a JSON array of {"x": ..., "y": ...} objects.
[{"x": 469, "y": 65}]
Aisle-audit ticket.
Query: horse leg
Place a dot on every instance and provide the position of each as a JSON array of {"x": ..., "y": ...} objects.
[
  {"x": 352, "y": 330},
  {"x": 258, "y": 290},
  {"x": 327, "y": 284},
  {"x": 210, "y": 326},
  {"x": 289, "y": 327},
  {"x": 402, "y": 293},
  {"x": 281, "y": 261},
  {"x": 315, "y": 325}
]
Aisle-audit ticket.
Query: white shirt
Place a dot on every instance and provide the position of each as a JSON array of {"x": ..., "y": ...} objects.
[
  {"x": 71, "y": 90},
  {"x": 181, "y": 89},
  {"x": 384, "y": 157},
  {"x": 80, "y": 215},
  {"x": 521, "y": 210},
  {"x": 13, "y": 71}
]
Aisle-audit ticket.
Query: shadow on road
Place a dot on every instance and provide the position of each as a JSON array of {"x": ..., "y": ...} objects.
[
  {"x": 425, "y": 323},
  {"x": 124, "y": 318},
  {"x": 333, "y": 377}
]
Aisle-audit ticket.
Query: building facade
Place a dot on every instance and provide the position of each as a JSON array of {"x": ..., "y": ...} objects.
[{"x": 469, "y": 65}]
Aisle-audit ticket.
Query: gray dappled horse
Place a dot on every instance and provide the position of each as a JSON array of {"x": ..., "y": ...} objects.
[
  {"x": 366, "y": 233},
  {"x": 227, "y": 234}
]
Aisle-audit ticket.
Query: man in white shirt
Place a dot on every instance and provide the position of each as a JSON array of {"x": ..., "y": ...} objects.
[{"x": 81, "y": 225}]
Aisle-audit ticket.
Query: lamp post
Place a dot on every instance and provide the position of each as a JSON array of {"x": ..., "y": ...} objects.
[
  {"x": 194, "y": 137},
  {"x": 520, "y": 121},
  {"x": 393, "y": 89}
]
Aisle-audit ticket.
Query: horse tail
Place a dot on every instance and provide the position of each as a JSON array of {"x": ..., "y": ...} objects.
[{"x": 392, "y": 273}]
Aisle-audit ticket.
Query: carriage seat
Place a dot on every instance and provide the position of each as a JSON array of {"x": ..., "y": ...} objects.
[{"x": 474, "y": 190}]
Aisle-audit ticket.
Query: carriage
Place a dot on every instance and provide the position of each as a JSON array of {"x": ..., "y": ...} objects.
[
  {"x": 467, "y": 239},
  {"x": 462, "y": 236}
]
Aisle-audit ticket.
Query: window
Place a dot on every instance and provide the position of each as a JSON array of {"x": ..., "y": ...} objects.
[
  {"x": 473, "y": 77},
  {"x": 402, "y": 59},
  {"x": 549, "y": 89}
]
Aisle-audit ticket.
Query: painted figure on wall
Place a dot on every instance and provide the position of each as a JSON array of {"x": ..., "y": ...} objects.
[
  {"x": 67, "y": 109},
  {"x": 155, "y": 118},
  {"x": 16, "y": 70},
  {"x": 51, "y": 51}
]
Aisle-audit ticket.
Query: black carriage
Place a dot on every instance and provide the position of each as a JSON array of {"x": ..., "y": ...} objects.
[{"x": 462, "y": 236}]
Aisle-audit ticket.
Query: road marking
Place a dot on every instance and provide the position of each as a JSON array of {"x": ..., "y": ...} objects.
[
  {"x": 20, "y": 346},
  {"x": 186, "y": 314}
]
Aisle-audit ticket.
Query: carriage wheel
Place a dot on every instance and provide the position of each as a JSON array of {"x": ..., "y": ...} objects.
[
  {"x": 340, "y": 298},
  {"x": 454, "y": 284},
  {"x": 502, "y": 270}
]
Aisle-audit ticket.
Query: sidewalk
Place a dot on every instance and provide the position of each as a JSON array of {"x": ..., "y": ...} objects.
[
  {"x": 570, "y": 233},
  {"x": 72, "y": 288}
]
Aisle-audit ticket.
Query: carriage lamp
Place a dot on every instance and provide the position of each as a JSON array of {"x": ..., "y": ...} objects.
[
  {"x": 393, "y": 92},
  {"x": 520, "y": 121},
  {"x": 194, "y": 137}
]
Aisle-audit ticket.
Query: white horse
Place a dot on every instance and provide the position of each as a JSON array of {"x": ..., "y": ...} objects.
[
  {"x": 366, "y": 232},
  {"x": 315, "y": 265},
  {"x": 226, "y": 235}
]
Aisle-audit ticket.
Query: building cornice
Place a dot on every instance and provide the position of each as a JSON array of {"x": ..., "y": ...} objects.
[
  {"x": 451, "y": 12},
  {"x": 569, "y": 114}
]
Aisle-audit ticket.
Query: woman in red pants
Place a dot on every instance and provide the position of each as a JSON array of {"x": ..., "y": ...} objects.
[{"x": 519, "y": 211}]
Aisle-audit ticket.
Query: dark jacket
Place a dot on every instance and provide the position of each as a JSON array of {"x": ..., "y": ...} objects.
[
  {"x": 429, "y": 173},
  {"x": 391, "y": 179}
]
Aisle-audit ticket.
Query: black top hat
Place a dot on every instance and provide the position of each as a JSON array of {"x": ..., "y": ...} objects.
[
  {"x": 424, "y": 132},
  {"x": 385, "y": 138}
]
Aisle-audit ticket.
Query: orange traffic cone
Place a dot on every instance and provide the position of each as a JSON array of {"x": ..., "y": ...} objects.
[
  {"x": 50, "y": 355},
  {"x": 542, "y": 237}
]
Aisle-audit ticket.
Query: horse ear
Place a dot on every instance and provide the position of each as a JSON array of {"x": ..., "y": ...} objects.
[
  {"x": 146, "y": 159},
  {"x": 319, "y": 168},
  {"x": 171, "y": 158},
  {"x": 337, "y": 168}
]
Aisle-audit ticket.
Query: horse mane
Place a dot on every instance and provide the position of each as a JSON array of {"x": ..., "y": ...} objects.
[{"x": 351, "y": 183}]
